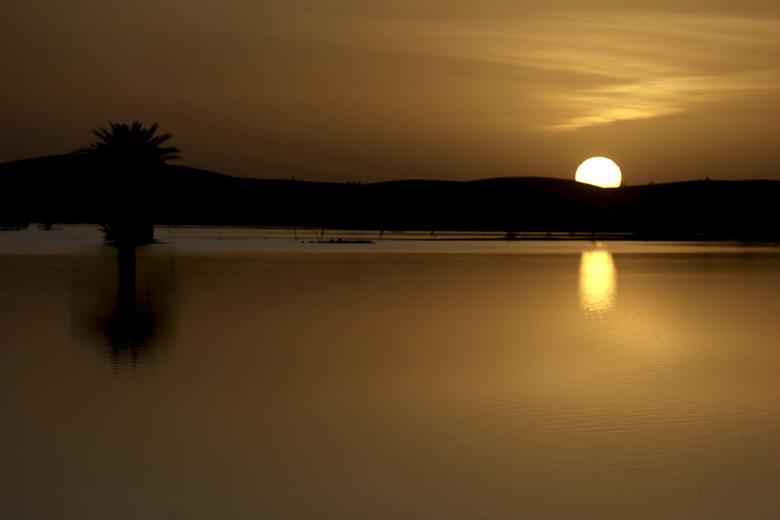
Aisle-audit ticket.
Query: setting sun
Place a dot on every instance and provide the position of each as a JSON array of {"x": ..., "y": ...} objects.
[{"x": 599, "y": 171}]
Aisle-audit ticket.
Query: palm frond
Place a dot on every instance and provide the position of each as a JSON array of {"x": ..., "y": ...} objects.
[{"x": 130, "y": 144}]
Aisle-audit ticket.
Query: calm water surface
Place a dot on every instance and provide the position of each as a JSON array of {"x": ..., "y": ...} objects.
[{"x": 225, "y": 374}]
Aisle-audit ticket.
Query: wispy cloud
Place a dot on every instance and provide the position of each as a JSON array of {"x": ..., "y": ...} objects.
[{"x": 629, "y": 67}]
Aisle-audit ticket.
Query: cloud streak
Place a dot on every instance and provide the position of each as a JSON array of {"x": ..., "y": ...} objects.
[{"x": 638, "y": 66}]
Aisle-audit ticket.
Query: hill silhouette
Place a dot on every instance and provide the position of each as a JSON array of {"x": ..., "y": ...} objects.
[{"x": 74, "y": 189}]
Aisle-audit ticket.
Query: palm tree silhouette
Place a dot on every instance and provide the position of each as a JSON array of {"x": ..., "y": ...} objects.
[
  {"x": 133, "y": 153},
  {"x": 131, "y": 145}
]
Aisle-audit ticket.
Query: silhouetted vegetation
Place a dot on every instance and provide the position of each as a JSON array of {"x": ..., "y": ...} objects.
[
  {"x": 131, "y": 145},
  {"x": 77, "y": 189},
  {"x": 13, "y": 226},
  {"x": 133, "y": 154}
]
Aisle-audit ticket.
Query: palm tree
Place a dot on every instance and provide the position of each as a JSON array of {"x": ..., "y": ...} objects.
[
  {"x": 131, "y": 145},
  {"x": 133, "y": 153}
]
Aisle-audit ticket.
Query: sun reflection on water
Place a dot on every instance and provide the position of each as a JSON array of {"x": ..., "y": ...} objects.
[{"x": 598, "y": 281}]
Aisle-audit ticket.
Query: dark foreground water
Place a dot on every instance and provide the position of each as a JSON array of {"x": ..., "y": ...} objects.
[{"x": 226, "y": 375}]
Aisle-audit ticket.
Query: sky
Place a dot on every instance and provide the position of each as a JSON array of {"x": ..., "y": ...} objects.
[{"x": 370, "y": 90}]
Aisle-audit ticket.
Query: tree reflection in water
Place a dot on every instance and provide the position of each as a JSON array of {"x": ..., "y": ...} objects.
[{"x": 124, "y": 307}]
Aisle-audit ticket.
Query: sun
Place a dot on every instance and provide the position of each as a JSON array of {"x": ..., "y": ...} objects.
[{"x": 599, "y": 171}]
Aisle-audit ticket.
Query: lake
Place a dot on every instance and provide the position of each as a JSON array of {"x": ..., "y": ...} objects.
[{"x": 240, "y": 373}]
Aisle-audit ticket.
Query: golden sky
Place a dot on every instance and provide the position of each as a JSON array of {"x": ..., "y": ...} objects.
[{"x": 372, "y": 90}]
